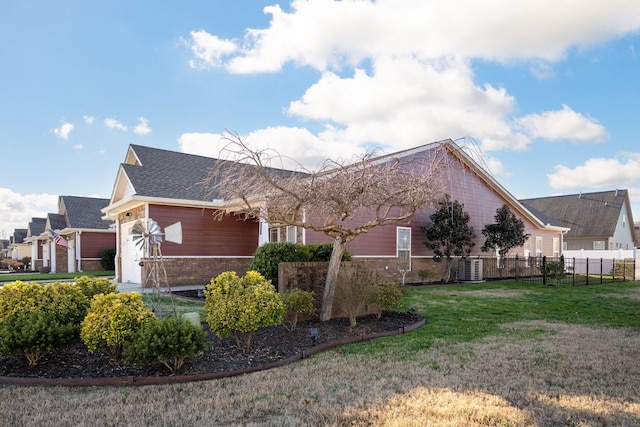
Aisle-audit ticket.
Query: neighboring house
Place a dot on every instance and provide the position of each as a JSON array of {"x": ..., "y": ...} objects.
[
  {"x": 36, "y": 243},
  {"x": 597, "y": 221},
  {"x": 4, "y": 248},
  {"x": 165, "y": 186},
  {"x": 85, "y": 234},
  {"x": 18, "y": 248}
]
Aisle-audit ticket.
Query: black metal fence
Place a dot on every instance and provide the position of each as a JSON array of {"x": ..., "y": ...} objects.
[{"x": 557, "y": 271}]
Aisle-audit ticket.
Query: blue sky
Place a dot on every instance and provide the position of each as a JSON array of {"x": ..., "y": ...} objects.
[{"x": 549, "y": 91}]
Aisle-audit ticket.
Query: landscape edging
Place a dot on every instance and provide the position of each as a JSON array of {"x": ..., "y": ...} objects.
[{"x": 176, "y": 379}]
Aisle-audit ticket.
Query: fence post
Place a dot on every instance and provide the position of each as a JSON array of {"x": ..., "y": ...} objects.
[
  {"x": 573, "y": 276},
  {"x": 544, "y": 270},
  {"x": 601, "y": 268},
  {"x": 587, "y": 271}
]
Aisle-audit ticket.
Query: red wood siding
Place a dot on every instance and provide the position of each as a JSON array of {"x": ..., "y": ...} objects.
[
  {"x": 479, "y": 199},
  {"x": 92, "y": 244},
  {"x": 202, "y": 235}
]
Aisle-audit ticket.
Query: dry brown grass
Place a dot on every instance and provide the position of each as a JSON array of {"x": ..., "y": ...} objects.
[{"x": 538, "y": 374}]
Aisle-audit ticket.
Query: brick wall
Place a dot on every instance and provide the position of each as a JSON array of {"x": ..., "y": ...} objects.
[{"x": 196, "y": 271}]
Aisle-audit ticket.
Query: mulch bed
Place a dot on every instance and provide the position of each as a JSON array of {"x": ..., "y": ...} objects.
[{"x": 269, "y": 345}]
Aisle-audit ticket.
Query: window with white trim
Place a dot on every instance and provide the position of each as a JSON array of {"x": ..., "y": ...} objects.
[
  {"x": 556, "y": 246},
  {"x": 403, "y": 248},
  {"x": 539, "y": 245},
  {"x": 292, "y": 234},
  {"x": 598, "y": 245},
  {"x": 274, "y": 235}
]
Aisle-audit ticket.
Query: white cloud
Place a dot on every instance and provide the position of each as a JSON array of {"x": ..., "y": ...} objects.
[
  {"x": 143, "y": 127},
  {"x": 500, "y": 30},
  {"x": 542, "y": 71},
  {"x": 78, "y": 147},
  {"x": 16, "y": 210},
  {"x": 406, "y": 101},
  {"x": 114, "y": 124},
  {"x": 89, "y": 119},
  {"x": 564, "y": 124},
  {"x": 63, "y": 131},
  {"x": 296, "y": 146},
  {"x": 598, "y": 173},
  {"x": 209, "y": 49}
]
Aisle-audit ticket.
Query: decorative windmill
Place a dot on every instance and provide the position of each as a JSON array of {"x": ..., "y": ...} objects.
[{"x": 147, "y": 235}]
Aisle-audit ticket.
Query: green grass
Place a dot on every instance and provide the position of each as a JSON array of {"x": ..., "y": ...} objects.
[
  {"x": 182, "y": 305},
  {"x": 29, "y": 277},
  {"x": 464, "y": 313}
]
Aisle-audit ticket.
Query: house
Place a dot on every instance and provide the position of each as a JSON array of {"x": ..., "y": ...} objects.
[
  {"x": 84, "y": 234},
  {"x": 597, "y": 221},
  {"x": 165, "y": 186},
  {"x": 35, "y": 228},
  {"x": 18, "y": 248}
]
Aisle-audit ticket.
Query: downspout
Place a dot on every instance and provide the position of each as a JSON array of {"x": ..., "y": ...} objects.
[{"x": 79, "y": 250}]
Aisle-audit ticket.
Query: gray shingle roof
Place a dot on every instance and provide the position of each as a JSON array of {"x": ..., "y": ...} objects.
[
  {"x": 56, "y": 221},
  {"x": 18, "y": 235},
  {"x": 173, "y": 175},
  {"x": 169, "y": 174},
  {"x": 587, "y": 214},
  {"x": 36, "y": 226},
  {"x": 84, "y": 212}
]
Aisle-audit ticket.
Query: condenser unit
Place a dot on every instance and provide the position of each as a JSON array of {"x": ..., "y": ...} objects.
[{"x": 470, "y": 270}]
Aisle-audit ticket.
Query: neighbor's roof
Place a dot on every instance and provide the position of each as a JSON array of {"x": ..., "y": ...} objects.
[
  {"x": 36, "y": 226},
  {"x": 84, "y": 212},
  {"x": 56, "y": 221},
  {"x": 587, "y": 214}
]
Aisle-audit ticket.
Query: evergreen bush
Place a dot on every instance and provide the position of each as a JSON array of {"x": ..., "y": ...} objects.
[
  {"x": 91, "y": 286},
  {"x": 168, "y": 341},
  {"x": 387, "y": 296},
  {"x": 267, "y": 257},
  {"x": 296, "y": 301},
  {"x": 34, "y": 334},
  {"x": 239, "y": 306},
  {"x": 112, "y": 320},
  {"x": 108, "y": 259}
]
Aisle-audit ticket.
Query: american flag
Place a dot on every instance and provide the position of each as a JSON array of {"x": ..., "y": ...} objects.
[{"x": 58, "y": 239}]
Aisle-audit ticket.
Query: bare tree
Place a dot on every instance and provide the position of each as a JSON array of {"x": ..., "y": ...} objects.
[{"x": 341, "y": 200}]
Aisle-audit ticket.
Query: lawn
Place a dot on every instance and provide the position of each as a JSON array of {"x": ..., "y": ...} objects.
[
  {"x": 497, "y": 354},
  {"x": 61, "y": 277}
]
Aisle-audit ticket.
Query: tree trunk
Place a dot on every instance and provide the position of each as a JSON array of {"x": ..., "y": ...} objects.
[
  {"x": 332, "y": 279},
  {"x": 447, "y": 273}
]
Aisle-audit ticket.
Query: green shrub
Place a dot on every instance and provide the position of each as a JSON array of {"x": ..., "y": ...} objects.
[
  {"x": 91, "y": 286},
  {"x": 267, "y": 257},
  {"x": 169, "y": 341},
  {"x": 321, "y": 252},
  {"x": 112, "y": 319},
  {"x": 64, "y": 301},
  {"x": 34, "y": 334},
  {"x": 108, "y": 259},
  {"x": 239, "y": 306},
  {"x": 296, "y": 301},
  {"x": 553, "y": 270},
  {"x": 387, "y": 297}
]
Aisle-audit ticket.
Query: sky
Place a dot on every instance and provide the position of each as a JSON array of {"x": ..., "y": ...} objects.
[{"x": 547, "y": 90}]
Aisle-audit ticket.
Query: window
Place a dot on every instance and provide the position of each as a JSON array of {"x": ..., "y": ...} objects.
[
  {"x": 403, "y": 248},
  {"x": 598, "y": 245},
  {"x": 556, "y": 247},
  {"x": 273, "y": 235},
  {"x": 292, "y": 232},
  {"x": 538, "y": 245}
]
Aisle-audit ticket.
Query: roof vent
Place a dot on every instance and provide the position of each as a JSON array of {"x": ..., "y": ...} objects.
[
  {"x": 580, "y": 195},
  {"x": 616, "y": 192}
]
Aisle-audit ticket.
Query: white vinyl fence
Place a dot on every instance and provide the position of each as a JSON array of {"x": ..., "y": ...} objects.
[{"x": 603, "y": 258}]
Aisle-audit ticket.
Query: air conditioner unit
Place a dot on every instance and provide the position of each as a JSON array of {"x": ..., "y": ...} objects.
[{"x": 470, "y": 270}]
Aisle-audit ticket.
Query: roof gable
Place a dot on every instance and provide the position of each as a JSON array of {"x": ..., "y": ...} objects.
[
  {"x": 83, "y": 212},
  {"x": 587, "y": 214}
]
